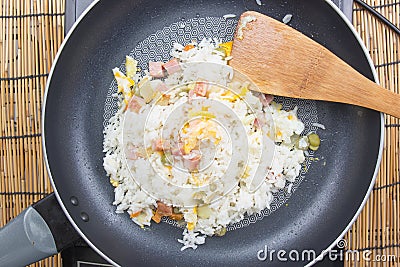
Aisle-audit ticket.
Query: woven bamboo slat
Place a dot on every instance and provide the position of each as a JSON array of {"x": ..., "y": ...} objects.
[
  {"x": 31, "y": 31},
  {"x": 30, "y": 34},
  {"x": 376, "y": 233}
]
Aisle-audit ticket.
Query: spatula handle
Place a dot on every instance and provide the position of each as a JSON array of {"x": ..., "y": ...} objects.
[
  {"x": 380, "y": 99},
  {"x": 356, "y": 89}
]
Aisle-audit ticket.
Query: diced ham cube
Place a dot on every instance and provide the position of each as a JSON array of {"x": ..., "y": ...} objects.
[
  {"x": 163, "y": 209},
  {"x": 192, "y": 161},
  {"x": 162, "y": 87},
  {"x": 172, "y": 66},
  {"x": 156, "y": 69},
  {"x": 269, "y": 98},
  {"x": 191, "y": 96},
  {"x": 181, "y": 148},
  {"x": 177, "y": 150},
  {"x": 160, "y": 145},
  {"x": 265, "y": 99},
  {"x": 200, "y": 88},
  {"x": 257, "y": 123},
  {"x": 136, "y": 103},
  {"x": 260, "y": 120},
  {"x": 132, "y": 152}
]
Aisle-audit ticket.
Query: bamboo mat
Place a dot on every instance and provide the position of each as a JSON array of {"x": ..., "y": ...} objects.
[
  {"x": 377, "y": 229},
  {"x": 31, "y": 31}
]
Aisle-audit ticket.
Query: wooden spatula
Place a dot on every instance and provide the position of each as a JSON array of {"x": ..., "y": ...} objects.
[{"x": 282, "y": 61}]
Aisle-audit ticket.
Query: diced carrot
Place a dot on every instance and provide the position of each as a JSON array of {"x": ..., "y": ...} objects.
[
  {"x": 188, "y": 47},
  {"x": 176, "y": 216},
  {"x": 135, "y": 214},
  {"x": 157, "y": 218}
]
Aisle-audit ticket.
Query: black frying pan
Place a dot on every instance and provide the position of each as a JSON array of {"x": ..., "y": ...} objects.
[{"x": 318, "y": 213}]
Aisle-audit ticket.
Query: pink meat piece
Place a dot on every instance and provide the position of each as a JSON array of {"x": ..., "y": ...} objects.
[
  {"x": 192, "y": 161},
  {"x": 200, "y": 88},
  {"x": 163, "y": 209},
  {"x": 156, "y": 69},
  {"x": 260, "y": 120},
  {"x": 132, "y": 155},
  {"x": 265, "y": 99},
  {"x": 269, "y": 98},
  {"x": 162, "y": 87},
  {"x": 131, "y": 152},
  {"x": 136, "y": 103},
  {"x": 177, "y": 149},
  {"x": 176, "y": 152},
  {"x": 160, "y": 145},
  {"x": 191, "y": 96},
  {"x": 172, "y": 66}
]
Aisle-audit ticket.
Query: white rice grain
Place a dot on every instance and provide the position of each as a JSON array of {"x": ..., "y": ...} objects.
[
  {"x": 229, "y": 16},
  {"x": 289, "y": 188},
  {"x": 287, "y": 18},
  {"x": 319, "y": 125}
]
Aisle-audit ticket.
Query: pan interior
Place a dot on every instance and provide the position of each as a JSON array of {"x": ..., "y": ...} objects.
[
  {"x": 78, "y": 104},
  {"x": 157, "y": 47}
]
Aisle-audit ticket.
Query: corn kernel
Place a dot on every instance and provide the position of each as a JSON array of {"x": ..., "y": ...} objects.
[
  {"x": 190, "y": 226},
  {"x": 113, "y": 182}
]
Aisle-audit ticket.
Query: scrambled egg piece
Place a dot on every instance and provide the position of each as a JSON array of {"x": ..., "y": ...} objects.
[
  {"x": 131, "y": 67},
  {"x": 113, "y": 182}
]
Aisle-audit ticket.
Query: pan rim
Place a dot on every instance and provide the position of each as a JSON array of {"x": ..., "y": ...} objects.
[
  {"x": 325, "y": 251},
  {"x": 382, "y": 129},
  {"x": 58, "y": 197}
]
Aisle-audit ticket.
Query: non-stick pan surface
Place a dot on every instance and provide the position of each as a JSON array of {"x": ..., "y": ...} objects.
[{"x": 316, "y": 214}]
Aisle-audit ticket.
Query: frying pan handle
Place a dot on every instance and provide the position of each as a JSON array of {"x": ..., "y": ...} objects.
[{"x": 38, "y": 232}]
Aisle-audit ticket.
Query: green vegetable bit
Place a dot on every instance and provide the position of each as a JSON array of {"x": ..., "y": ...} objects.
[
  {"x": 314, "y": 141},
  {"x": 165, "y": 161},
  {"x": 221, "y": 232},
  {"x": 204, "y": 212},
  {"x": 222, "y": 50}
]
